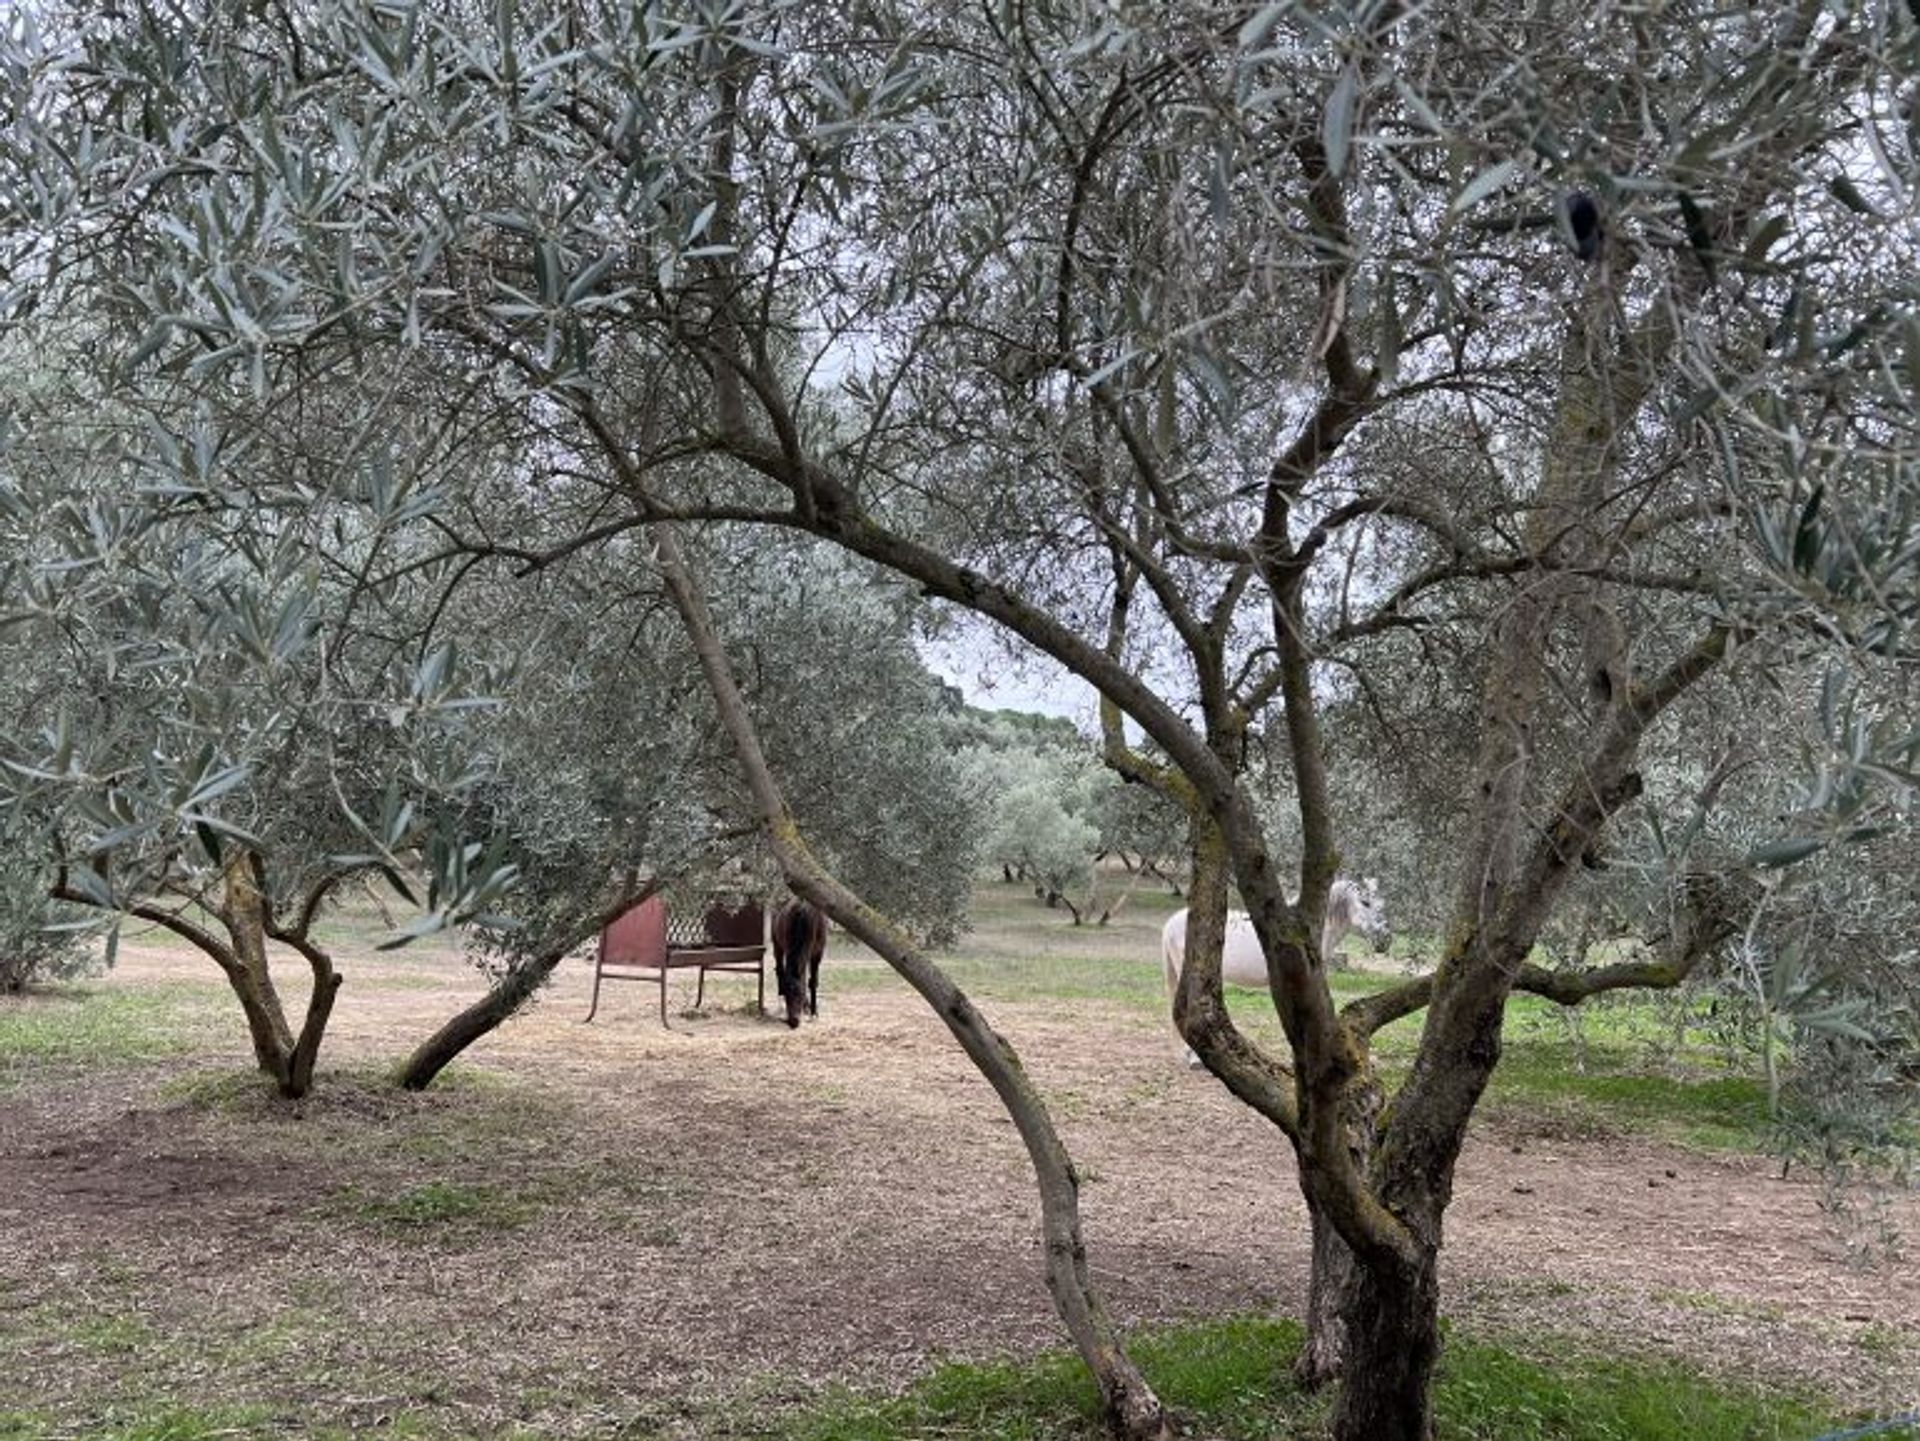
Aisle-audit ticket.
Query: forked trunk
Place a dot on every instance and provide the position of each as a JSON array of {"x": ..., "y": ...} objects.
[
  {"x": 287, "y": 1058},
  {"x": 244, "y": 914},
  {"x": 1392, "y": 1317}
]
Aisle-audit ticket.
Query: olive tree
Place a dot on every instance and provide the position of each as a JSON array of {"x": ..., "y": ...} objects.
[
  {"x": 224, "y": 724},
  {"x": 1041, "y": 824},
  {"x": 612, "y": 782},
  {"x": 40, "y": 940},
  {"x": 1055, "y": 813},
  {"x": 1220, "y": 353}
]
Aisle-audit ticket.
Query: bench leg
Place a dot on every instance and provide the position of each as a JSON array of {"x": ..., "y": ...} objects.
[{"x": 594, "y": 1004}]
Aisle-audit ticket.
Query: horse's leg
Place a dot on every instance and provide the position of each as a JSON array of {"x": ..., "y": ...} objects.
[{"x": 1331, "y": 935}]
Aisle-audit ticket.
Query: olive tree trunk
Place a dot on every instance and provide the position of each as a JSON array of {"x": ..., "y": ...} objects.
[
  {"x": 242, "y": 911},
  {"x": 1334, "y": 1276},
  {"x": 503, "y": 999},
  {"x": 1391, "y": 1315},
  {"x": 508, "y": 994}
]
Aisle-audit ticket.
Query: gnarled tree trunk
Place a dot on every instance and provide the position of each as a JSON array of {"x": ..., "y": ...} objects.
[
  {"x": 503, "y": 998},
  {"x": 1391, "y": 1315},
  {"x": 1331, "y": 1278},
  {"x": 243, "y": 913}
]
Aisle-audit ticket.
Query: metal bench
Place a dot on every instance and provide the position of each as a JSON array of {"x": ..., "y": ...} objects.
[{"x": 648, "y": 942}]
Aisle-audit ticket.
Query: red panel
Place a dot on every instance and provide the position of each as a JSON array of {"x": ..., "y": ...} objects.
[{"x": 638, "y": 938}]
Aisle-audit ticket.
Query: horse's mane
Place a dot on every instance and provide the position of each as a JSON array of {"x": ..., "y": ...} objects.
[{"x": 1342, "y": 898}]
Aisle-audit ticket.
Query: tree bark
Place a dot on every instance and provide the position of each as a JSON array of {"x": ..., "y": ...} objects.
[
  {"x": 243, "y": 913},
  {"x": 298, "y": 1079},
  {"x": 1392, "y": 1318},
  {"x": 506, "y": 996},
  {"x": 1130, "y": 1408},
  {"x": 1331, "y": 1280},
  {"x": 1334, "y": 1278}
]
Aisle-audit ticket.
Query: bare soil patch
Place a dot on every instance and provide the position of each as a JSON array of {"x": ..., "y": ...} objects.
[{"x": 618, "y": 1227}]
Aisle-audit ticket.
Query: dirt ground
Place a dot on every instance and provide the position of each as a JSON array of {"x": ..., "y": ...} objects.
[{"x": 663, "y": 1222}]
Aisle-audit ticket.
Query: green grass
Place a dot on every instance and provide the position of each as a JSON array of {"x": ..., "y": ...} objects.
[
  {"x": 167, "y": 1421},
  {"x": 1230, "y": 1380},
  {"x": 1491, "y": 1395},
  {"x": 1723, "y": 1113},
  {"x": 111, "y": 1335},
  {"x": 1630, "y": 1072},
  {"x": 164, "y": 1422},
  {"x": 433, "y": 1206},
  {"x": 60, "y": 1030}
]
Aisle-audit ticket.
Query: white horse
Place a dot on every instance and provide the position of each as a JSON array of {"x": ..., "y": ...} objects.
[{"x": 1351, "y": 906}]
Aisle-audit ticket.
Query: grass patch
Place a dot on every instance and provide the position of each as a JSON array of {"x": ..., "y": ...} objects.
[
  {"x": 167, "y": 1421},
  {"x": 433, "y": 1207},
  {"x": 112, "y": 1335},
  {"x": 1618, "y": 1064},
  {"x": 58, "y": 1030},
  {"x": 221, "y": 1092},
  {"x": 1724, "y": 1113},
  {"x": 1230, "y": 1379},
  {"x": 474, "y": 1154},
  {"x": 1491, "y": 1395},
  {"x": 188, "y": 1423}
]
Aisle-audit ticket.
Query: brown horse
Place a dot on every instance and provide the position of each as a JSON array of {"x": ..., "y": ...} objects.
[{"x": 799, "y": 944}]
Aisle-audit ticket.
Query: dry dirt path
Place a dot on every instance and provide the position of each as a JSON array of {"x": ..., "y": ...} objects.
[{"x": 662, "y": 1220}]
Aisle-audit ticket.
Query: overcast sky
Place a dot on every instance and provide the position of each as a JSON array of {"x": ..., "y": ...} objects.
[{"x": 992, "y": 676}]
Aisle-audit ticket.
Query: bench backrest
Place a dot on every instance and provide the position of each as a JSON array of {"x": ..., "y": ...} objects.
[
  {"x": 638, "y": 938},
  {"x": 742, "y": 926}
]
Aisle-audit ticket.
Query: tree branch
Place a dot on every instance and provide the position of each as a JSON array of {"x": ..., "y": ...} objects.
[{"x": 1127, "y": 1396}]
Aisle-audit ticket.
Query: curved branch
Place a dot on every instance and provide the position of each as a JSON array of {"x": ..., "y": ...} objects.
[
  {"x": 198, "y": 936},
  {"x": 1131, "y": 1405}
]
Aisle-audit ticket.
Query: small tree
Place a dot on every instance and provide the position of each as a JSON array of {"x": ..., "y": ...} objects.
[
  {"x": 611, "y": 784},
  {"x": 226, "y": 722}
]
